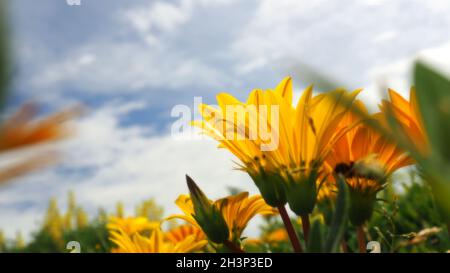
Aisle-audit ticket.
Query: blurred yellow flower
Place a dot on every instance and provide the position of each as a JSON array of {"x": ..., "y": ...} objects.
[
  {"x": 131, "y": 225},
  {"x": 19, "y": 241},
  {"x": 277, "y": 235},
  {"x": 54, "y": 222},
  {"x": 408, "y": 116},
  {"x": 156, "y": 243},
  {"x": 237, "y": 211},
  {"x": 81, "y": 218}
]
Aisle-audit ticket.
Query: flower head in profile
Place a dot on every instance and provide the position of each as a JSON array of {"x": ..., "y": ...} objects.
[
  {"x": 236, "y": 210},
  {"x": 281, "y": 146},
  {"x": 365, "y": 158},
  {"x": 157, "y": 242},
  {"x": 248, "y": 129},
  {"x": 316, "y": 129},
  {"x": 131, "y": 225}
]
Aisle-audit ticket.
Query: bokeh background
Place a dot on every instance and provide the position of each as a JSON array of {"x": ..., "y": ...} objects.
[{"x": 130, "y": 62}]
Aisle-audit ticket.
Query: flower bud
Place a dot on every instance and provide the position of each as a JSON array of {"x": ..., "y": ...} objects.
[{"x": 207, "y": 215}]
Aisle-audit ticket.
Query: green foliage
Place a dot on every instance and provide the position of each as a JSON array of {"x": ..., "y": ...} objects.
[
  {"x": 405, "y": 220},
  {"x": 335, "y": 231},
  {"x": 58, "y": 228},
  {"x": 433, "y": 94},
  {"x": 400, "y": 219},
  {"x": 340, "y": 216},
  {"x": 92, "y": 238}
]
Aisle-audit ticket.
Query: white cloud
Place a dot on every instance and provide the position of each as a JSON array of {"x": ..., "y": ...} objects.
[
  {"x": 342, "y": 40},
  {"x": 158, "y": 16},
  {"x": 126, "y": 67},
  {"x": 150, "y": 57},
  {"x": 165, "y": 45},
  {"x": 163, "y": 16},
  {"x": 398, "y": 74}
]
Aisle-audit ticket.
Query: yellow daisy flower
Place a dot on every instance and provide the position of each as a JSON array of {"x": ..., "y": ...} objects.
[
  {"x": 303, "y": 136},
  {"x": 156, "y": 243},
  {"x": 131, "y": 225},
  {"x": 237, "y": 210},
  {"x": 366, "y": 159}
]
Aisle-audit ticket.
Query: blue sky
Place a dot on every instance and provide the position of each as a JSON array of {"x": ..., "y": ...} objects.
[{"x": 130, "y": 62}]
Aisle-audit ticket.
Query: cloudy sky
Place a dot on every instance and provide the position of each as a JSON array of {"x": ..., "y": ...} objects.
[{"x": 131, "y": 62}]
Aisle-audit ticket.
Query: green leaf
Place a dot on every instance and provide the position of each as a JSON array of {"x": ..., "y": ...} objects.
[
  {"x": 433, "y": 95},
  {"x": 340, "y": 218},
  {"x": 315, "y": 244}
]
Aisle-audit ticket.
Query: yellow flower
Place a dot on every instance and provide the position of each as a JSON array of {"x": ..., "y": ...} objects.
[
  {"x": 131, "y": 225},
  {"x": 302, "y": 135},
  {"x": 53, "y": 222},
  {"x": 365, "y": 150},
  {"x": 178, "y": 234},
  {"x": 231, "y": 124},
  {"x": 237, "y": 210},
  {"x": 156, "y": 243},
  {"x": 366, "y": 159},
  {"x": 252, "y": 242},
  {"x": 82, "y": 219},
  {"x": 408, "y": 116},
  {"x": 327, "y": 191},
  {"x": 277, "y": 235}
]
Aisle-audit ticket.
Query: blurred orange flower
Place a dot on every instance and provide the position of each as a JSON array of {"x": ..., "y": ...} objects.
[{"x": 21, "y": 130}]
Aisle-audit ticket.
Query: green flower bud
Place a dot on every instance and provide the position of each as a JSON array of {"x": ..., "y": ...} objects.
[{"x": 208, "y": 216}]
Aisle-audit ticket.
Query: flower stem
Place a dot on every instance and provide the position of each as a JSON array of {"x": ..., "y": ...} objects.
[
  {"x": 448, "y": 228},
  {"x": 306, "y": 226},
  {"x": 361, "y": 239},
  {"x": 290, "y": 229},
  {"x": 344, "y": 246},
  {"x": 233, "y": 247}
]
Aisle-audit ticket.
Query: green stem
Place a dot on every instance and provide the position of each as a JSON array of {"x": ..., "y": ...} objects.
[
  {"x": 344, "y": 246},
  {"x": 233, "y": 247},
  {"x": 306, "y": 226},
  {"x": 290, "y": 229},
  {"x": 361, "y": 239}
]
